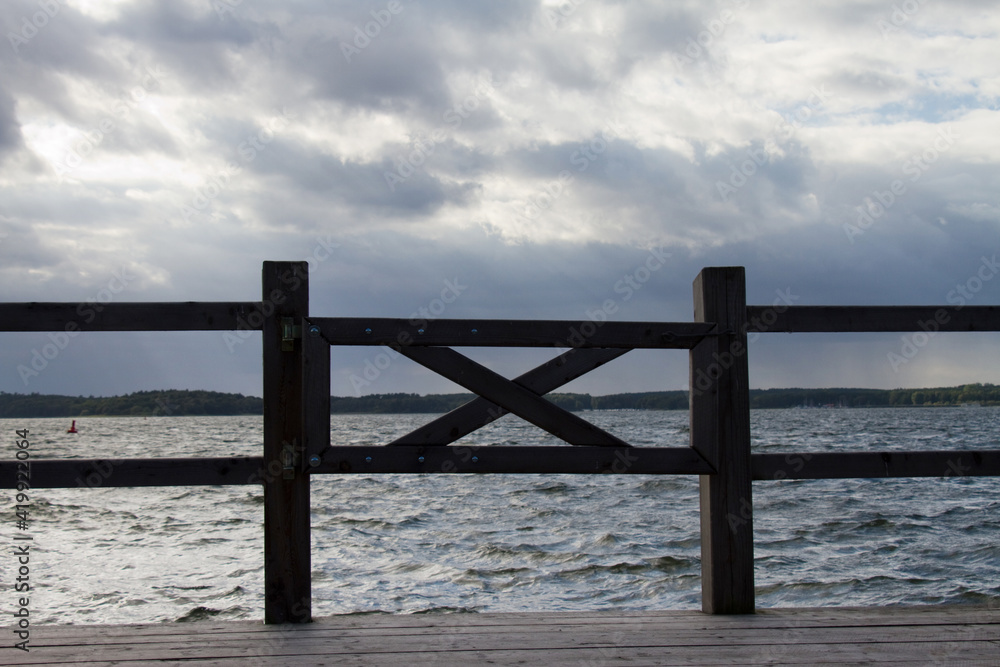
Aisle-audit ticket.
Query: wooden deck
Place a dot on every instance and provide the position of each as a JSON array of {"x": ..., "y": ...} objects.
[{"x": 965, "y": 635}]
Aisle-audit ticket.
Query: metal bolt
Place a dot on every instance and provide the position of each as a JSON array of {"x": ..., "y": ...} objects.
[
  {"x": 420, "y": 459},
  {"x": 314, "y": 330},
  {"x": 475, "y": 459},
  {"x": 368, "y": 459},
  {"x": 314, "y": 460}
]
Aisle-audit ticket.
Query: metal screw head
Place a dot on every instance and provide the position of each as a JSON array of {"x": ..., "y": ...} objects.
[
  {"x": 420, "y": 459},
  {"x": 368, "y": 459},
  {"x": 475, "y": 331},
  {"x": 314, "y": 460},
  {"x": 420, "y": 331},
  {"x": 314, "y": 330},
  {"x": 475, "y": 459},
  {"x": 368, "y": 330}
]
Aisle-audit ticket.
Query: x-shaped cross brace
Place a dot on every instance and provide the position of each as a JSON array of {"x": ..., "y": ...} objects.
[{"x": 521, "y": 396}]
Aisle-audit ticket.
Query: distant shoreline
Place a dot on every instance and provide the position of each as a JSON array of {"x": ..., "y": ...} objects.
[{"x": 210, "y": 403}]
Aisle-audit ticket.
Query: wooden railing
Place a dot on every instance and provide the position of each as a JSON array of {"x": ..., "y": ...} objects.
[{"x": 296, "y": 374}]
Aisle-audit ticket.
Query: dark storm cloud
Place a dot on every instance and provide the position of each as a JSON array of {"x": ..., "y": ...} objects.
[
  {"x": 600, "y": 91},
  {"x": 192, "y": 40}
]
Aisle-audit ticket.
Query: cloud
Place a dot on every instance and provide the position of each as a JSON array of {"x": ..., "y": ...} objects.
[{"x": 535, "y": 150}]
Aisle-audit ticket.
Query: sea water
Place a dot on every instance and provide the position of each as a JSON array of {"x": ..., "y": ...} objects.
[{"x": 501, "y": 543}]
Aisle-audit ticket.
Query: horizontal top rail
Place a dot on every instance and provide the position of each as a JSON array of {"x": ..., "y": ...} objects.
[
  {"x": 833, "y": 319},
  {"x": 146, "y": 316},
  {"x": 509, "y": 333}
]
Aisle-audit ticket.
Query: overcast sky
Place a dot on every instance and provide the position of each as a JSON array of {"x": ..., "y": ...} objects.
[{"x": 530, "y": 157}]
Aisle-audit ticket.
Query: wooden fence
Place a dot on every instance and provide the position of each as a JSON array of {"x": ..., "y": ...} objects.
[{"x": 296, "y": 372}]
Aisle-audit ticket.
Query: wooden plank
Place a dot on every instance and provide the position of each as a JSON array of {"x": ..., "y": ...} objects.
[
  {"x": 511, "y": 333},
  {"x": 287, "y": 596},
  {"x": 315, "y": 396},
  {"x": 965, "y": 653},
  {"x": 98, "y": 473},
  {"x": 173, "y": 316},
  {"x": 514, "y": 398},
  {"x": 673, "y": 620},
  {"x": 512, "y": 459},
  {"x": 479, "y": 412},
  {"x": 331, "y": 640},
  {"x": 893, "y": 635},
  {"x": 872, "y": 318},
  {"x": 720, "y": 432},
  {"x": 842, "y": 465},
  {"x": 672, "y": 623}
]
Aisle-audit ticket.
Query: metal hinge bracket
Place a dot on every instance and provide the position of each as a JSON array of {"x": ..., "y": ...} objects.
[{"x": 289, "y": 332}]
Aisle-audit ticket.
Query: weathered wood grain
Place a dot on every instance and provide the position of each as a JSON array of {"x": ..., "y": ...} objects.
[
  {"x": 523, "y": 402},
  {"x": 512, "y": 459},
  {"x": 720, "y": 432},
  {"x": 173, "y": 316},
  {"x": 893, "y": 635},
  {"x": 98, "y": 473},
  {"x": 802, "y": 319},
  {"x": 315, "y": 396},
  {"x": 511, "y": 333},
  {"x": 841, "y": 465},
  {"x": 479, "y": 412},
  {"x": 287, "y": 583}
]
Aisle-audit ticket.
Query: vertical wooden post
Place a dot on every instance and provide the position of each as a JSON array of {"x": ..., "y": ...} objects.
[
  {"x": 720, "y": 432},
  {"x": 315, "y": 396},
  {"x": 287, "y": 596}
]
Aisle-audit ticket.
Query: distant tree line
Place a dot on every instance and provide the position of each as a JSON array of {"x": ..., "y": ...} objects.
[
  {"x": 140, "y": 403},
  {"x": 182, "y": 402},
  {"x": 982, "y": 394}
]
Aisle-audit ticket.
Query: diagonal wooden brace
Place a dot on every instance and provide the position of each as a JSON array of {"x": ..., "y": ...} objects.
[
  {"x": 516, "y": 399},
  {"x": 479, "y": 412}
]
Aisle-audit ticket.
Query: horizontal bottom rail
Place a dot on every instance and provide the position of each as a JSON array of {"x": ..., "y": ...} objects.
[
  {"x": 845, "y": 465},
  {"x": 95, "y": 473},
  {"x": 568, "y": 459}
]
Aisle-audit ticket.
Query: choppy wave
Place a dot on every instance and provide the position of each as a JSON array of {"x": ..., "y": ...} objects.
[{"x": 466, "y": 544}]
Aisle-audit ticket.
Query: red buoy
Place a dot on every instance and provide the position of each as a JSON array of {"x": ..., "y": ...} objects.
[{"x": 72, "y": 429}]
